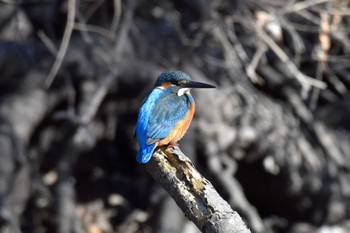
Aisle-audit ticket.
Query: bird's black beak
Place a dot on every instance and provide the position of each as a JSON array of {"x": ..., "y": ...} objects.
[{"x": 193, "y": 84}]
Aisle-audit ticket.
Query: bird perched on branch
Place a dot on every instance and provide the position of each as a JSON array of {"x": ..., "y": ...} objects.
[{"x": 166, "y": 113}]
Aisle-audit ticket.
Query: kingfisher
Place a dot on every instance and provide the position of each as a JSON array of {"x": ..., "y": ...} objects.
[{"x": 166, "y": 113}]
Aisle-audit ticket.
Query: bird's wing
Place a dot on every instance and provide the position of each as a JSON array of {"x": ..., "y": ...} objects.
[{"x": 168, "y": 110}]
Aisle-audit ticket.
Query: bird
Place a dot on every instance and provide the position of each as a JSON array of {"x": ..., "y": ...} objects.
[{"x": 166, "y": 113}]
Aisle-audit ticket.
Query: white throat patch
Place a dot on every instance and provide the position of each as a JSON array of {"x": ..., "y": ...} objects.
[{"x": 183, "y": 91}]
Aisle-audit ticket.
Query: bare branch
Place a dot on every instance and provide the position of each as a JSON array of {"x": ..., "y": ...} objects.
[
  {"x": 303, "y": 5},
  {"x": 65, "y": 42},
  {"x": 304, "y": 80},
  {"x": 47, "y": 42},
  {"x": 194, "y": 194},
  {"x": 117, "y": 14}
]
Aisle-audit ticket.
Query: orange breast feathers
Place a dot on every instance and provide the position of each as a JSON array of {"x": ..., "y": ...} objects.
[{"x": 180, "y": 128}]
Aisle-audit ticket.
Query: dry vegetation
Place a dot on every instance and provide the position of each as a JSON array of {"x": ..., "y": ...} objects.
[{"x": 273, "y": 138}]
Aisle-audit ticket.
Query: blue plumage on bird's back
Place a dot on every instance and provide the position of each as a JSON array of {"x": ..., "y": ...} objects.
[
  {"x": 146, "y": 151},
  {"x": 157, "y": 118}
]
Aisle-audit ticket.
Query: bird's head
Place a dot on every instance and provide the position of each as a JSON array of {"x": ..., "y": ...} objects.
[{"x": 181, "y": 82}]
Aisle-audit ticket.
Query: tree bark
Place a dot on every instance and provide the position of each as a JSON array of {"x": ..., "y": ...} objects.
[{"x": 194, "y": 194}]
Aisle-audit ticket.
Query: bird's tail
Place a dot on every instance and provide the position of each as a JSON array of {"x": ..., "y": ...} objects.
[{"x": 144, "y": 154}]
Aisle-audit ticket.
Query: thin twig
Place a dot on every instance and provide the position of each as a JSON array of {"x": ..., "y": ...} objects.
[
  {"x": 96, "y": 99},
  {"x": 251, "y": 68},
  {"x": 303, "y": 5},
  {"x": 242, "y": 54},
  {"x": 306, "y": 81},
  {"x": 47, "y": 42},
  {"x": 116, "y": 17},
  {"x": 121, "y": 36},
  {"x": 9, "y": 1},
  {"x": 231, "y": 58},
  {"x": 96, "y": 29},
  {"x": 65, "y": 42},
  {"x": 89, "y": 40}
]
